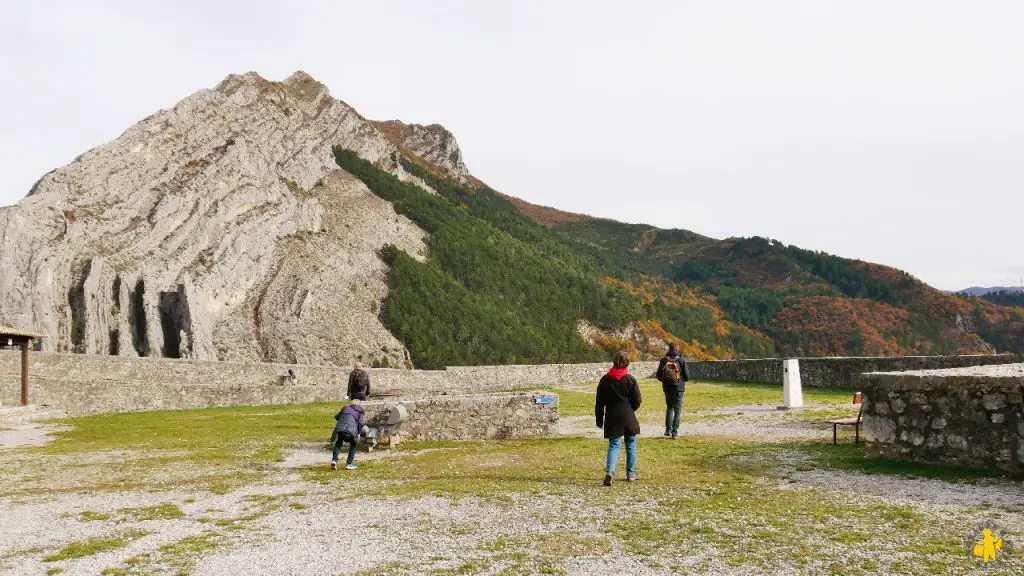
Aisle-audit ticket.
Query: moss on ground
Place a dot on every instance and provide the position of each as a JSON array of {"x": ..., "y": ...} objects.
[
  {"x": 79, "y": 549},
  {"x": 166, "y": 511}
]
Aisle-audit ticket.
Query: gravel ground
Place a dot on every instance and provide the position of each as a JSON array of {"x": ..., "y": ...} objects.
[
  {"x": 755, "y": 423},
  {"x": 288, "y": 525},
  {"x": 938, "y": 495},
  {"x": 22, "y": 435}
]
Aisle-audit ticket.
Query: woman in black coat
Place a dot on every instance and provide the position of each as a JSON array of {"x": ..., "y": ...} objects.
[{"x": 618, "y": 399}]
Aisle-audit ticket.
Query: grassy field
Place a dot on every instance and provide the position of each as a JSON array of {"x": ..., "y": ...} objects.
[
  {"x": 701, "y": 396},
  {"x": 747, "y": 503}
]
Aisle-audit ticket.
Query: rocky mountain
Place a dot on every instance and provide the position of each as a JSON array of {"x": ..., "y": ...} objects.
[
  {"x": 269, "y": 221},
  {"x": 221, "y": 228}
]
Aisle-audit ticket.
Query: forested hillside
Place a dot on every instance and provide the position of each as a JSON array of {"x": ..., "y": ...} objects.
[
  {"x": 508, "y": 282},
  {"x": 812, "y": 303},
  {"x": 499, "y": 288}
]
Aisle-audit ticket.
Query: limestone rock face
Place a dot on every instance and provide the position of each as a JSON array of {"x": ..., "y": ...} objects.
[
  {"x": 433, "y": 143},
  {"x": 219, "y": 229}
]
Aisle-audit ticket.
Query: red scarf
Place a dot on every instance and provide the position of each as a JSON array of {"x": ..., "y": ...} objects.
[{"x": 618, "y": 373}]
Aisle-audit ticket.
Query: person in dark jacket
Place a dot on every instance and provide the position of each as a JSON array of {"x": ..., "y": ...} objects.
[
  {"x": 618, "y": 399},
  {"x": 358, "y": 382},
  {"x": 349, "y": 426},
  {"x": 673, "y": 374}
]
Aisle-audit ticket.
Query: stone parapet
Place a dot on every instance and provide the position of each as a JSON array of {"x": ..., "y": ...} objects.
[
  {"x": 966, "y": 417},
  {"x": 472, "y": 417},
  {"x": 836, "y": 372},
  {"x": 93, "y": 384}
]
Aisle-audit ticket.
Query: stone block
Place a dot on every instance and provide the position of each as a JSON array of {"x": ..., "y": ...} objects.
[
  {"x": 994, "y": 401},
  {"x": 898, "y": 405},
  {"x": 916, "y": 438},
  {"x": 918, "y": 399},
  {"x": 879, "y": 429},
  {"x": 998, "y": 418},
  {"x": 938, "y": 423},
  {"x": 956, "y": 441}
]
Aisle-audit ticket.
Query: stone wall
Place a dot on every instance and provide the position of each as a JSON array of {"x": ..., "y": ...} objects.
[
  {"x": 972, "y": 416},
  {"x": 472, "y": 417},
  {"x": 835, "y": 372},
  {"x": 91, "y": 384},
  {"x": 765, "y": 370}
]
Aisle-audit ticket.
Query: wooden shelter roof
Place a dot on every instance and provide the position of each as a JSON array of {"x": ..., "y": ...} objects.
[{"x": 7, "y": 332}]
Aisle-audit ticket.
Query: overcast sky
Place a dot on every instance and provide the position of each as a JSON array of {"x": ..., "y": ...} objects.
[{"x": 887, "y": 131}]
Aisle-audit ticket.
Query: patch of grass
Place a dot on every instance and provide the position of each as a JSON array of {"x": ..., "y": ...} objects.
[
  {"x": 95, "y": 546},
  {"x": 192, "y": 545},
  {"x": 544, "y": 553},
  {"x": 388, "y": 569},
  {"x": 90, "y": 516},
  {"x": 823, "y": 415},
  {"x": 231, "y": 446},
  {"x": 853, "y": 457},
  {"x": 703, "y": 396},
  {"x": 468, "y": 567},
  {"x": 177, "y": 557},
  {"x": 54, "y": 570},
  {"x": 166, "y": 511}
]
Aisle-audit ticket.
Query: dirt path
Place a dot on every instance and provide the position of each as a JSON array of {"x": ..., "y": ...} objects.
[{"x": 22, "y": 435}]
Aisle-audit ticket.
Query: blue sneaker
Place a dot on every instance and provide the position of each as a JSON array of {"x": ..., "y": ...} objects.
[{"x": 350, "y": 466}]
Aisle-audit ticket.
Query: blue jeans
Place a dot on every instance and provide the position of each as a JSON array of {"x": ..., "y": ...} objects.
[
  {"x": 614, "y": 445},
  {"x": 342, "y": 438},
  {"x": 673, "y": 407}
]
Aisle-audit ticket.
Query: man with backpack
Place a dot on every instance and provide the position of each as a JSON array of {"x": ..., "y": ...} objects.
[
  {"x": 358, "y": 382},
  {"x": 673, "y": 375}
]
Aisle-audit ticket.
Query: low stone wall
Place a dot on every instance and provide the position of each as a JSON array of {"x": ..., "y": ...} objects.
[
  {"x": 472, "y": 417},
  {"x": 838, "y": 371},
  {"x": 764, "y": 370},
  {"x": 970, "y": 416},
  {"x": 92, "y": 384}
]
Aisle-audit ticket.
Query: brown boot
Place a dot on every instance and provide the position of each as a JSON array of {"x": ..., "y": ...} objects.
[{"x": 607, "y": 479}]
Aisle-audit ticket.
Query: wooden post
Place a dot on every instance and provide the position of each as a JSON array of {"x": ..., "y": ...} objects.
[{"x": 24, "y": 372}]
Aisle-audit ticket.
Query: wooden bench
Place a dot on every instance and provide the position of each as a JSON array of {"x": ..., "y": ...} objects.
[{"x": 854, "y": 421}]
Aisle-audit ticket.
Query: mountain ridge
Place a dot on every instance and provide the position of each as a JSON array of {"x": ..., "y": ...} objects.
[{"x": 262, "y": 220}]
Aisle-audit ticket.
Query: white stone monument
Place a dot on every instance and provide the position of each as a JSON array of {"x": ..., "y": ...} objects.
[{"x": 792, "y": 392}]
